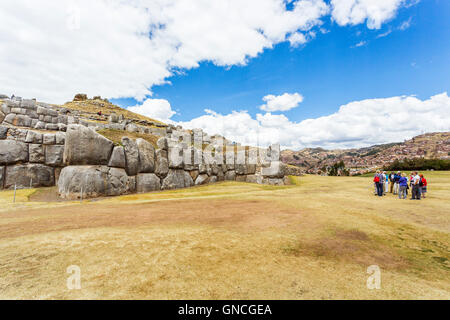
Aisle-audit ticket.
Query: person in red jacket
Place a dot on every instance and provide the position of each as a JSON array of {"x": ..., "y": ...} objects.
[{"x": 424, "y": 185}]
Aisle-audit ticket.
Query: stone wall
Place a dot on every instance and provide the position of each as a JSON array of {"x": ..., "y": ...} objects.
[
  {"x": 96, "y": 167},
  {"x": 29, "y": 157},
  {"x": 30, "y": 114},
  {"x": 42, "y": 145}
]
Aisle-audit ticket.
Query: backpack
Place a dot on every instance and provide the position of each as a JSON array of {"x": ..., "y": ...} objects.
[
  {"x": 376, "y": 179},
  {"x": 420, "y": 183}
]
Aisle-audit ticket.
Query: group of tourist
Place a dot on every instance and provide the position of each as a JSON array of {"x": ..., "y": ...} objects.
[{"x": 399, "y": 183}]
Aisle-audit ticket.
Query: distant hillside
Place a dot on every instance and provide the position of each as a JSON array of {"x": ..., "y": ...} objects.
[{"x": 314, "y": 160}]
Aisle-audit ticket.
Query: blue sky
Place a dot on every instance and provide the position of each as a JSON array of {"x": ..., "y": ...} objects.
[
  {"x": 329, "y": 71},
  {"x": 303, "y": 73}
]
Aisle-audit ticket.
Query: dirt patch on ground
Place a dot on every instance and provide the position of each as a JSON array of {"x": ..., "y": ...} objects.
[
  {"x": 352, "y": 235},
  {"x": 350, "y": 246},
  {"x": 46, "y": 195},
  {"x": 248, "y": 215}
]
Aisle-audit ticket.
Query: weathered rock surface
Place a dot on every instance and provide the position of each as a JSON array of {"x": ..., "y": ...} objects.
[
  {"x": 202, "y": 179},
  {"x": 175, "y": 158},
  {"x": 146, "y": 156},
  {"x": 117, "y": 158},
  {"x": 274, "y": 181},
  {"x": 275, "y": 170},
  {"x": 131, "y": 156},
  {"x": 5, "y": 109},
  {"x": 254, "y": 179},
  {"x": 80, "y": 97},
  {"x": 147, "y": 182},
  {"x": 2, "y": 175},
  {"x": 220, "y": 175},
  {"x": 251, "y": 168},
  {"x": 3, "y": 132},
  {"x": 162, "y": 144},
  {"x": 54, "y": 155},
  {"x": 12, "y": 151},
  {"x": 17, "y": 134},
  {"x": 242, "y": 169},
  {"x": 162, "y": 163},
  {"x": 86, "y": 147},
  {"x": 36, "y": 175},
  {"x": 60, "y": 138},
  {"x": 94, "y": 181},
  {"x": 194, "y": 174},
  {"x": 2, "y": 116},
  {"x": 19, "y": 120},
  {"x": 230, "y": 176},
  {"x": 203, "y": 168},
  {"x": 33, "y": 137},
  {"x": 132, "y": 128},
  {"x": 177, "y": 179},
  {"x": 49, "y": 138}
]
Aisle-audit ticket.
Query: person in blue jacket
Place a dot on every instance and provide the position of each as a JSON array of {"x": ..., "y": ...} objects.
[
  {"x": 397, "y": 177},
  {"x": 403, "y": 184}
]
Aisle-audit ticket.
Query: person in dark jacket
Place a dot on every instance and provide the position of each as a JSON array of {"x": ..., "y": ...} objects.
[
  {"x": 391, "y": 182},
  {"x": 415, "y": 185}
]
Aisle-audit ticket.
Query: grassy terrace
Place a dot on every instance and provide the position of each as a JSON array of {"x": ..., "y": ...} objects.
[
  {"x": 230, "y": 240},
  {"x": 94, "y": 106},
  {"x": 117, "y": 135}
]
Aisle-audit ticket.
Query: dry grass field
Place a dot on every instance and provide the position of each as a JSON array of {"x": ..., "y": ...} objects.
[{"x": 311, "y": 240}]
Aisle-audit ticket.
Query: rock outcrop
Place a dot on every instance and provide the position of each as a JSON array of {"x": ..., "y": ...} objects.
[
  {"x": 117, "y": 158},
  {"x": 94, "y": 181},
  {"x": 85, "y": 146},
  {"x": 13, "y": 151},
  {"x": 131, "y": 156},
  {"x": 146, "y": 156},
  {"x": 29, "y": 175},
  {"x": 177, "y": 179},
  {"x": 146, "y": 182}
]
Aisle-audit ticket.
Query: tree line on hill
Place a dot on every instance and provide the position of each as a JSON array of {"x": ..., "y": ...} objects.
[
  {"x": 418, "y": 164},
  {"x": 337, "y": 169}
]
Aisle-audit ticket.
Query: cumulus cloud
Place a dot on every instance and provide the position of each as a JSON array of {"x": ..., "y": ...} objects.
[
  {"x": 297, "y": 39},
  {"x": 117, "y": 48},
  {"x": 384, "y": 34},
  {"x": 405, "y": 24},
  {"x": 159, "y": 109},
  {"x": 283, "y": 102},
  {"x": 373, "y": 12},
  {"x": 356, "y": 124},
  {"x": 360, "y": 44}
]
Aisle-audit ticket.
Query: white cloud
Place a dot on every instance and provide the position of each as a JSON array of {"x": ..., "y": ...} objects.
[
  {"x": 297, "y": 39},
  {"x": 384, "y": 34},
  {"x": 405, "y": 24},
  {"x": 360, "y": 44},
  {"x": 356, "y": 124},
  {"x": 159, "y": 109},
  {"x": 283, "y": 102},
  {"x": 116, "y": 48},
  {"x": 374, "y": 12}
]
